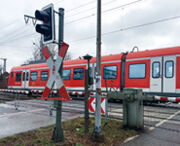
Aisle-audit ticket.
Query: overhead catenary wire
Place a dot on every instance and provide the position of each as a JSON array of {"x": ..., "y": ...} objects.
[
  {"x": 83, "y": 5},
  {"x": 114, "y": 31},
  {"x": 21, "y": 37},
  {"x": 129, "y": 28},
  {"x": 104, "y": 4},
  {"x": 11, "y": 46},
  {"x": 110, "y": 32},
  {"x": 17, "y": 33},
  {"x": 9, "y": 24},
  {"x": 85, "y": 17},
  {"x": 144, "y": 24},
  {"x": 105, "y": 11},
  {"x": 9, "y": 34}
]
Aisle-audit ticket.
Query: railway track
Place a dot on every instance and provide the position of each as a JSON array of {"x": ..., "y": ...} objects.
[{"x": 152, "y": 114}]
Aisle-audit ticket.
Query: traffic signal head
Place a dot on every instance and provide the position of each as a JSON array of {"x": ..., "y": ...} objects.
[{"x": 47, "y": 28}]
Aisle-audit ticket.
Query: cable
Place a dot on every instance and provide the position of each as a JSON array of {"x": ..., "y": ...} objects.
[
  {"x": 80, "y": 12},
  {"x": 6, "y": 25},
  {"x": 114, "y": 31},
  {"x": 85, "y": 17},
  {"x": 11, "y": 35},
  {"x": 145, "y": 24},
  {"x": 130, "y": 27},
  {"x": 137, "y": 1},
  {"x": 82, "y": 18},
  {"x": 81, "y": 6},
  {"x": 86, "y": 38},
  {"x": 15, "y": 46},
  {"x": 111, "y": 9},
  {"x": 22, "y": 37}
]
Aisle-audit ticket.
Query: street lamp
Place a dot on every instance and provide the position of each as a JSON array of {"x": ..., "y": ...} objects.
[
  {"x": 88, "y": 58},
  {"x": 86, "y": 113}
]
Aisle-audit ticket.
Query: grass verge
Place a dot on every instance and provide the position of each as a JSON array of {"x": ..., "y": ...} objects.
[{"x": 74, "y": 135}]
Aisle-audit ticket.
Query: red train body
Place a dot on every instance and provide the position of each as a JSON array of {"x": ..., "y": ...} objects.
[{"x": 155, "y": 71}]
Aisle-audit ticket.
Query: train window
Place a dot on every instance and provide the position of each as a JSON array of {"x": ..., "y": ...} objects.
[
  {"x": 156, "y": 69},
  {"x": 33, "y": 76},
  {"x": 23, "y": 76},
  {"x": 169, "y": 69},
  {"x": 66, "y": 74},
  {"x": 137, "y": 71},
  {"x": 18, "y": 76},
  {"x": 12, "y": 74},
  {"x": 110, "y": 72},
  {"x": 44, "y": 75},
  {"x": 78, "y": 74},
  {"x": 27, "y": 76}
]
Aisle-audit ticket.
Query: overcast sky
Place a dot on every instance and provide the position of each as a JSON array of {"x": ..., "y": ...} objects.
[{"x": 124, "y": 25}]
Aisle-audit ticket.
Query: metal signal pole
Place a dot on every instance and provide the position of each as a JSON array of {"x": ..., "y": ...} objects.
[
  {"x": 58, "y": 131},
  {"x": 97, "y": 128}
]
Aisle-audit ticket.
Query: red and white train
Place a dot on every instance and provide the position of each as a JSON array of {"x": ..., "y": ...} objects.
[{"x": 156, "y": 71}]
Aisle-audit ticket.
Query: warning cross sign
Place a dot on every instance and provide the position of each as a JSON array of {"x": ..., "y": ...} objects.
[
  {"x": 92, "y": 104},
  {"x": 55, "y": 77}
]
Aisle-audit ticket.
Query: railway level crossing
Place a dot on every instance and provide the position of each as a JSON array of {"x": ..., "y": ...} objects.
[{"x": 55, "y": 77}]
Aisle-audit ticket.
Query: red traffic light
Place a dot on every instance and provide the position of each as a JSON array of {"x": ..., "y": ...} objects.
[
  {"x": 47, "y": 27},
  {"x": 42, "y": 15}
]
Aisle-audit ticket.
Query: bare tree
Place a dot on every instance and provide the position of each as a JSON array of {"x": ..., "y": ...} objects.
[
  {"x": 68, "y": 56},
  {"x": 37, "y": 56},
  {"x": 37, "y": 46},
  {"x": 53, "y": 50}
]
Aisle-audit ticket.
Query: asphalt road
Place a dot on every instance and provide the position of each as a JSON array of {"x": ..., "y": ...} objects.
[
  {"x": 27, "y": 117},
  {"x": 160, "y": 136},
  {"x": 165, "y": 132}
]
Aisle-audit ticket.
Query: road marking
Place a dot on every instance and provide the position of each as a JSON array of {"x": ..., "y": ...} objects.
[
  {"x": 163, "y": 121},
  {"x": 12, "y": 114},
  {"x": 130, "y": 138}
]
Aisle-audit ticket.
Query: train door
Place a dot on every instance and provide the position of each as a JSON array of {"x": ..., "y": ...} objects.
[
  {"x": 163, "y": 79},
  {"x": 156, "y": 74},
  {"x": 25, "y": 80},
  {"x": 169, "y": 74}
]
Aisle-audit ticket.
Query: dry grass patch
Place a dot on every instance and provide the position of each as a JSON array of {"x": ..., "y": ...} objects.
[{"x": 74, "y": 135}]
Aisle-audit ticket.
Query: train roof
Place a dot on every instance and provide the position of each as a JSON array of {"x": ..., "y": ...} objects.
[
  {"x": 154, "y": 53},
  {"x": 34, "y": 66},
  {"x": 113, "y": 57}
]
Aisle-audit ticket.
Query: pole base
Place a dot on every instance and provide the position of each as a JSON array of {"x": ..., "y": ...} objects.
[
  {"x": 57, "y": 136},
  {"x": 97, "y": 137}
]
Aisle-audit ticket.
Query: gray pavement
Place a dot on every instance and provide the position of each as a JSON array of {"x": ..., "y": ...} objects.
[
  {"x": 26, "y": 118},
  {"x": 157, "y": 137},
  {"x": 167, "y": 133}
]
